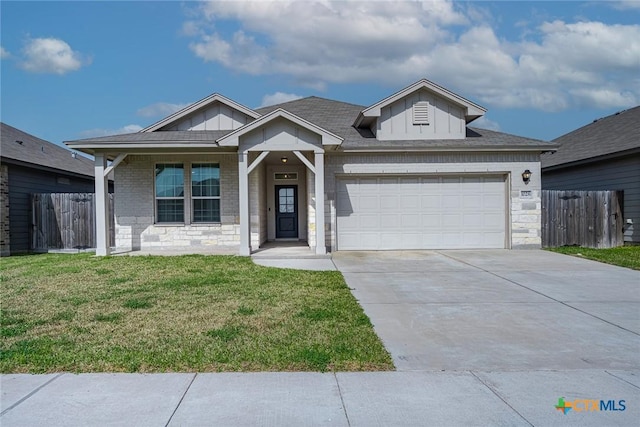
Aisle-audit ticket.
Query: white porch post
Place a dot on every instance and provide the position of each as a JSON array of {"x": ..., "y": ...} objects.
[
  {"x": 243, "y": 190},
  {"x": 321, "y": 247},
  {"x": 102, "y": 206}
]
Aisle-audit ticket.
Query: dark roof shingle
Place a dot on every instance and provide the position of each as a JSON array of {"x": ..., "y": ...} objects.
[
  {"x": 39, "y": 152},
  {"x": 612, "y": 134}
]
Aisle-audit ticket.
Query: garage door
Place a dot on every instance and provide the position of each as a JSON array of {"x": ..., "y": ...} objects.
[{"x": 423, "y": 212}]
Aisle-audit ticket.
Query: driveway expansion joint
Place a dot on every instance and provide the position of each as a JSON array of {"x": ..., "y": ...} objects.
[
  {"x": 181, "y": 399},
  {"x": 344, "y": 407},
  {"x": 499, "y": 396},
  {"x": 622, "y": 379},
  {"x": 31, "y": 393}
]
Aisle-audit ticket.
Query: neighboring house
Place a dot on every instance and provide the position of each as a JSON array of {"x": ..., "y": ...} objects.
[
  {"x": 603, "y": 155},
  {"x": 32, "y": 165},
  {"x": 404, "y": 173}
]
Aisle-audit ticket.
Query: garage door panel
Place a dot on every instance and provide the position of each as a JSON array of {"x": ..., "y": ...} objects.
[
  {"x": 367, "y": 203},
  {"x": 421, "y": 212},
  {"x": 389, "y": 203}
]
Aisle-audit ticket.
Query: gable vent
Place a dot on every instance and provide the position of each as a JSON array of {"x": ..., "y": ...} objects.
[{"x": 421, "y": 113}]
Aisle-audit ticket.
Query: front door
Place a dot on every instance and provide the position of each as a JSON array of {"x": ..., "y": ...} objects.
[{"x": 286, "y": 211}]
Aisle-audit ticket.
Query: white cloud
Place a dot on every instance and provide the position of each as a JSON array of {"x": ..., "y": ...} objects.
[
  {"x": 51, "y": 55},
  {"x": 278, "y": 98},
  {"x": 160, "y": 109},
  {"x": 554, "y": 66},
  {"x": 626, "y": 4},
  {"x": 92, "y": 133},
  {"x": 484, "y": 123},
  {"x": 4, "y": 53}
]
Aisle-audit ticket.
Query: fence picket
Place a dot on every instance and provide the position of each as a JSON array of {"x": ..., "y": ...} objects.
[
  {"x": 585, "y": 218},
  {"x": 65, "y": 221}
]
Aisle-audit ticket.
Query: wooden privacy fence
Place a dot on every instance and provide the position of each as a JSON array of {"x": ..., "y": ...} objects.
[
  {"x": 65, "y": 221},
  {"x": 591, "y": 219}
]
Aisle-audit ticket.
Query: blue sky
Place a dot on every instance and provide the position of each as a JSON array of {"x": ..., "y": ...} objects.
[{"x": 80, "y": 69}]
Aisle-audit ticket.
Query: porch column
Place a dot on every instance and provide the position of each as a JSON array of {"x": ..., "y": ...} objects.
[
  {"x": 321, "y": 247},
  {"x": 243, "y": 193},
  {"x": 102, "y": 206}
]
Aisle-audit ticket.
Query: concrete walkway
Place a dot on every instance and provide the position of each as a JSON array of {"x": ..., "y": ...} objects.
[
  {"x": 480, "y": 338},
  {"x": 470, "y": 398}
]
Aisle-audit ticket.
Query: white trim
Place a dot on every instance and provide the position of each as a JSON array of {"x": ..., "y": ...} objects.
[
  {"x": 257, "y": 161},
  {"x": 304, "y": 160},
  {"x": 473, "y": 110},
  {"x": 115, "y": 163},
  {"x": 200, "y": 104},
  {"x": 321, "y": 247},
  {"x": 232, "y": 139},
  {"x": 102, "y": 206},
  {"x": 243, "y": 195}
]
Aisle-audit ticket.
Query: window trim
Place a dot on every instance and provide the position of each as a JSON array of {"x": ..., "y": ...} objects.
[
  {"x": 156, "y": 198},
  {"x": 193, "y": 198}
]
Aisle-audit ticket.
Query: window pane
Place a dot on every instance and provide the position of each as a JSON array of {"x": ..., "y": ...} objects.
[
  {"x": 169, "y": 180},
  {"x": 205, "y": 180},
  {"x": 206, "y": 210},
  {"x": 170, "y": 210}
]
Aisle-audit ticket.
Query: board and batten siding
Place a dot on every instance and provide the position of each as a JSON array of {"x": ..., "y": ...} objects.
[
  {"x": 22, "y": 182},
  {"x": 445, "y": 119},
  {"x": 616, "y": 174},
  {"x": 216, "y": 117}
]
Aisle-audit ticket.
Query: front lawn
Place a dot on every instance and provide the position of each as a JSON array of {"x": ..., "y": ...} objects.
[
  {"x": 624, "y": 256},
  {"x": 82, "y": 313}
]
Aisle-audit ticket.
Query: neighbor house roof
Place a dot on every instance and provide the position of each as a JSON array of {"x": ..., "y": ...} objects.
[
  {"x": 22, "y": 148},
  {"x": 612, "y": 135}
]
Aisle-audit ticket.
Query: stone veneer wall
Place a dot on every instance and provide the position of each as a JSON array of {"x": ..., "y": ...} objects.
[
  {"x": 524, "y": 210},
  {"x": 4, "y": 211},
  {"x": 135, "y": 205}
]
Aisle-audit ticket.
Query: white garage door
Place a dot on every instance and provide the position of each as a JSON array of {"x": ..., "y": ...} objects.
[{"x": 423, "y": 212}]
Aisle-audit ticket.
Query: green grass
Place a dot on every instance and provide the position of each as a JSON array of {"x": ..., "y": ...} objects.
[
  {"x": 80, "y": 313},
  {"x": 624, "y": 256}
]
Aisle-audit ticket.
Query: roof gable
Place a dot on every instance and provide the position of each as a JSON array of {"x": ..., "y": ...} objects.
[
  {"x": 472, "y": 110},
  {"x": 232, "y": 139},
  {"x": 200, "y": 106}
]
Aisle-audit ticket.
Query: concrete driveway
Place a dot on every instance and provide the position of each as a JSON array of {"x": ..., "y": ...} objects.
[{"x": 498, "y": 310}]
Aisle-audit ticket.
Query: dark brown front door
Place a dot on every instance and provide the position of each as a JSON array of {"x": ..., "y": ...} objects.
[{"x": 286, "y": 211}]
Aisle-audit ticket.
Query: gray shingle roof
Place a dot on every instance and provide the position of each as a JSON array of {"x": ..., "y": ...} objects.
[
  {"x": 617, "y": 133},
  {"x": 41, "y": 153},
  {"x": 183, "y": 136},
  {"x": 336, "y": 117}
]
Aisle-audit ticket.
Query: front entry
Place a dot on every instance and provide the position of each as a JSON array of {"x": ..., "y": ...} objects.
[{"x": 286, "y": 211}]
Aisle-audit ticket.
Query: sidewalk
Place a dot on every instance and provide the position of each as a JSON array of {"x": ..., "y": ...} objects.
[{"x": 466, "y": 398}]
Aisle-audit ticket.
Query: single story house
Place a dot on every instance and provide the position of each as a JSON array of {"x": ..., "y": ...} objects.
[
  {"x": 603, "y": 155},
  {"x": 404, "y": 173},
  {"x": 29, "y": 165}
]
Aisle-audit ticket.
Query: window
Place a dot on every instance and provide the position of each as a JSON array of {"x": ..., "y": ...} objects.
[
  {"x": 421, "y": 113},
  {"x": 169, "y": 192},
  {"x": 205, "y": 192},
  {"x": 282, "y": 176}
]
